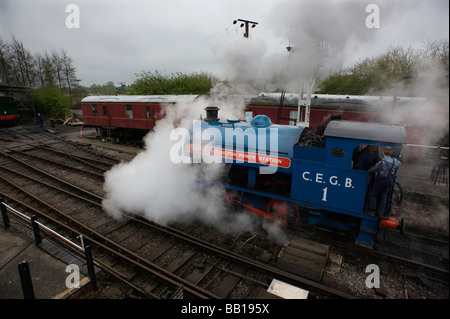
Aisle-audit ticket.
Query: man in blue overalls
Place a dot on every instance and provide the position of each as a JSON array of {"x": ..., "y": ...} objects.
[{"x": 383, "y": 182}]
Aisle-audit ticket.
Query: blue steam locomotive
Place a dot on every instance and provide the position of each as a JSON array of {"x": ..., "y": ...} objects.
[{"x": 292, "y": 174}]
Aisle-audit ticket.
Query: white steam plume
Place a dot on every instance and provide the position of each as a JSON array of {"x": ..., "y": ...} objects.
[
  {"x": 153, "y": 186},
  {"x": 318, "y": 33},
  {"x": 323, "y": 35},
  {"x": 159, "y": 189}
]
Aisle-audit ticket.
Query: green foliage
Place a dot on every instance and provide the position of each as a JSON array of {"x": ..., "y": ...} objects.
[
  {"x": 343, "y": 82},
  {"x": 49, "y": 101},
  {"x": 105, "y": 89},
  {"x": 372, "y": 74},
  {"x": 148, "y": 83},
  {"x": 375, "y": 75}
]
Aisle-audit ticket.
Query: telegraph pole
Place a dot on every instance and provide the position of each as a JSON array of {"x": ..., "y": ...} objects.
[{"x": 246, "y": 23}]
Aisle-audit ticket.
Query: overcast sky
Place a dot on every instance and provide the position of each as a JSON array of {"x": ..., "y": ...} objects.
[{"x": 118, "y": 38}]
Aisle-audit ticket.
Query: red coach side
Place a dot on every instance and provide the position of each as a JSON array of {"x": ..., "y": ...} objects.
[{"x": 124, "y": 115}]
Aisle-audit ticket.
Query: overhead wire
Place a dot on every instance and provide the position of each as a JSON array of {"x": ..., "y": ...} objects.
[
  {"x": 193, "y": 50},
  {"x": 194, "y": 47},
  {"x": 192, "y": 54}
]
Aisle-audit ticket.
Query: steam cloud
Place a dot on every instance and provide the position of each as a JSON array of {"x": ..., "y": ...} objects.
[
  {"x": 323, "y": 35},
  {"x": 319, "y": 33},
  {"x": 153, "y": 186}
]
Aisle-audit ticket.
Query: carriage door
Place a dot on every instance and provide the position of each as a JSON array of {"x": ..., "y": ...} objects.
[{"x": 105, "y": 113}]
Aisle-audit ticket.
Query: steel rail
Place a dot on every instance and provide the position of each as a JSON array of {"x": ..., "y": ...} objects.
[
  {"x": 55, "y": 187},
  {"x": 98, "y": 262},
  {"x": 50, "y": 176},
  {"x": 83, "y": 160},
  {"x": 247, "y": 261},
  {"x": 116, "y": 249},
  {"x": 394, "y": 258},
  {"x": 376, "y": 253},
  {"x": 202, "y": 244},
  {"x": 408, "y": 261},
  {"x": 58, "y": 163}
]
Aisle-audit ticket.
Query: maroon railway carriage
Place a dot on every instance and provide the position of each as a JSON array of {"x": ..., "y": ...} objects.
[
  {"x": 325, "y": 107},
  {"x": 420, "y": 116},
  {"x": 412, "y": 112},
  {"x": 127, "y": 115}
]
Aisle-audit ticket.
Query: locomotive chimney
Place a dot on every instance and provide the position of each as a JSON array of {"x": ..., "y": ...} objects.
[{"x": 211, "y": 113}]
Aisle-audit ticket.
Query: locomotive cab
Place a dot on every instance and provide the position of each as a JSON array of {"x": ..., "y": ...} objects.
[
  {"x": 326, "y": 176},
  {"x": 325, "y": 180}
]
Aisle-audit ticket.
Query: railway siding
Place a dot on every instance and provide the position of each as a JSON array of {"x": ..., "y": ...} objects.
[{"x": 183, "y": 254}]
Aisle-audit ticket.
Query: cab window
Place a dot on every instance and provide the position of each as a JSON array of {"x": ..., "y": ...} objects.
[{"x": 365, "y": 156}]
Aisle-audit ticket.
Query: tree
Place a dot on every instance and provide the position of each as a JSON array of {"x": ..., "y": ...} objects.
[
  {"x": 5, "y": 65},
  {"x": 48, "y": 70},
  {"x": 50, "y": 101},
  {"x": 380, "y": 74},
  {"x": 435, "y": 55},
  {"x": 345, "y": 82},
  {"x": 105, "y": 89},
  {"x": 148, "y": 83},
  {"x": 50, "y": 76},
  {"x": 57, "y": 66},
  {"x": 23, "y": 63},
  {"x": 69, "y": 73},
  {"x": 19, "y": 67}
]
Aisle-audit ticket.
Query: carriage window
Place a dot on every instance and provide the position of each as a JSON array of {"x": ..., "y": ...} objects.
[
  {"x": 105, "y": 110},
  {"x": 129, "y": 112},
  {"x": 335, "y": 117},
  {"x": 149, "y": 112},
  {"x": 94, "y": 110}
]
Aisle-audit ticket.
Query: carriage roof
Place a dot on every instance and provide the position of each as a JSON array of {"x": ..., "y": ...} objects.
[
  {"x": 379, "y": 132},
  {"x": 140, "y": 99}
]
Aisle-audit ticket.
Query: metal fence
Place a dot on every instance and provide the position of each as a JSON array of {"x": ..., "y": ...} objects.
[{"x": 37, "y": 226}]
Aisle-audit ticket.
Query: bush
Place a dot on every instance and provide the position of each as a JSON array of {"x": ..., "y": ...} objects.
[
  {"x": 148, "y": 83},
  {"x": 50, "y": 101}
]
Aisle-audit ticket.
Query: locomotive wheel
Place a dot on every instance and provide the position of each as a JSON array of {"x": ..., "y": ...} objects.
[{"x": 284, "y": 212}]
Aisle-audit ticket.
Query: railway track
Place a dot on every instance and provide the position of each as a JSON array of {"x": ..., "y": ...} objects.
[
  {"x": 62, "y": 184},
  {"x": 421, "y": 260},
  {"x": 157, "y": 261},
  {"x": 427, "y": 257}
]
